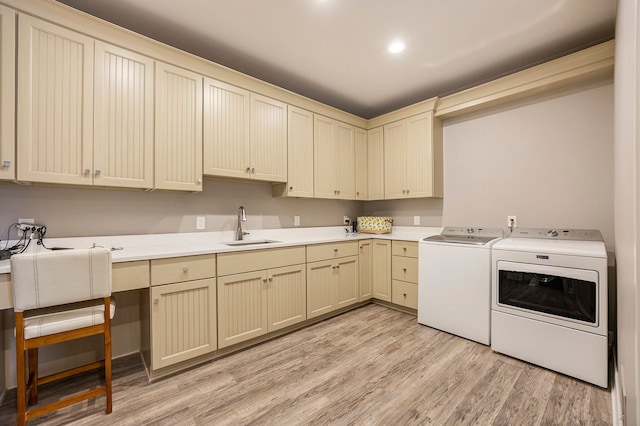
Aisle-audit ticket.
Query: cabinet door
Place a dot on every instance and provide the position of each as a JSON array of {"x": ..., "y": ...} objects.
[
  {"x": 323, "y": 158},
  {"x": 300, "y": 153},
  {"x": 375, "y": 151},
  {"x": 365, "y": 265},
  {"x": 7, "y": 91},
  {"x": 123, "y": 139},
  {"x": 268, "y": 144},
  {"x": 381, "y": 270},
  {"x": 395, "y": 160},
  {"x": 55, "y": 104},
  {"x": 419, "y": 156},
  {"x": 183, "y": 321},
  {"x": 226, "y": 130},
  {"x": 287, "y": 296},
  {"x": 178, "y": 129},
  {"x": 242, "y": 307},
  {"x": 344, "y": 163},
  {"x": 321, "y": 288},
  {"x": 362, "y": 160},
  {"x": 347, "y": 281}
]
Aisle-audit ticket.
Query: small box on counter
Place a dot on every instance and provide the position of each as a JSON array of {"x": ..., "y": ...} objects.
[{"x": 375, "y": 224}]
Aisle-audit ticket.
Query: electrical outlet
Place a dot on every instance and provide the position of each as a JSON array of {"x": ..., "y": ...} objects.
[
  {"x": 296, "y": 221},
  {"x": 31, "y": 221},
  {"x": 512, "y": 222},
  {"x": 346, "y": 220},
  {"x": 416, "y": 220},
  {"x": 200, "y": 222}
]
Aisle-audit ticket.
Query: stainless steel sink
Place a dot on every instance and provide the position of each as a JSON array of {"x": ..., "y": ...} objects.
[{"x": 249, "y": 242}]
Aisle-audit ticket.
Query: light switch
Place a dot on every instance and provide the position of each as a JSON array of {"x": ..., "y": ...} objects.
[
  {"x": 296, "y": 221},
  {"x": 416, "y": 220}
]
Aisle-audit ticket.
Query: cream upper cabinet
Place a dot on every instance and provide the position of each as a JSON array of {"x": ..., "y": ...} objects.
[
  {"x": 300, "y": 155},
  {"x": 361, "y": 164},
  {"x": 381, "y": 272},
  {"x": 7, "y": 93},
  {"x": 226, "y": 129},
  {"x": 375, "y": 152},
  {"x": 178, "y": 128},
  {"x": 54, "y": 104},
  {"x": 334, "y": 159},
  {"x": 123, "y": 105},
  {"x": 413, "y": 157},
  {"x": 245, "y": 134},
  {"x": 268, "y": 147}
]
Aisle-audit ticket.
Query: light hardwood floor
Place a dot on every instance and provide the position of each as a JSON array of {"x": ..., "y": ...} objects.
[{"x": 373, "y": 365}]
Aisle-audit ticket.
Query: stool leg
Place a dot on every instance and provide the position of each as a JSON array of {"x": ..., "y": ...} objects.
[
  {"x": 107, "y": 352},
  {"x": 33, "y": 375},
  {"x": 20, "y": 370}
]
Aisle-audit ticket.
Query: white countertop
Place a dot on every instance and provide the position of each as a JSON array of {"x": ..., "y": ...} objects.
[{"x": 156, "y": 246}]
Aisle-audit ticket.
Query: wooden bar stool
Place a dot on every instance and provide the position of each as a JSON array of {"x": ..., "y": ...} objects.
[{"x": 60, "y": 281}]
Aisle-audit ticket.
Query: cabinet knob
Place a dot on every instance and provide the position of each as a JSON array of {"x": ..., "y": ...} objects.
[
  {"x": 358, "y": 194},
  {"x": 97, "y": 172},
  {"x": 264, "y": 280},
  {"x": 404, "y": 191},
  {"x": 185, "y": 269},
  {"x": 335, "y": 250},
  {"x": 291, "y": 188},
  {"x": 338, "y": 267},
  {"x": 404, "y": 249},
  {"x": 407, "y": 191},
  {"x": 253, "y": 170},
  {"x": 87, "y": 171},
  {"x": 404, "y": 270},
  {"x": 6, "y": 163},
  {"x": 270, "y": 279},
  {"x": 156, "y": 301},
  {"x": 404, "y": 295},
  {"x": 248, "y": 169},
  {"x": 198, "y": 181}
]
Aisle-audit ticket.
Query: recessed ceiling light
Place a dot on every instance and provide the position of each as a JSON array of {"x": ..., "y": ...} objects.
[{"x": 396, "y": 47}]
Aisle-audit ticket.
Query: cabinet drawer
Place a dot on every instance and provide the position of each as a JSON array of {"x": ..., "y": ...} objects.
[
  {"x": 178, "y": 269},
  {"x": 327, "y": 251},
  {"x": 257, "y": 260},
  {"x": 405, "y": 294},
  {"x": 404, "y": 248},
  {"x": 404, "y": 268},
  {"x": 130, "y": 275}
]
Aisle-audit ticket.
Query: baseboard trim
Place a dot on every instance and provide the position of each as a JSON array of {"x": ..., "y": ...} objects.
[{"x": 617, "y": 394}]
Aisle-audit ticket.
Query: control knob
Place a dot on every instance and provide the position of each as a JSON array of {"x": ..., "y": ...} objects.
[
  {"x": 552, "y": 233},
  {"x": 470, "y": 230}
]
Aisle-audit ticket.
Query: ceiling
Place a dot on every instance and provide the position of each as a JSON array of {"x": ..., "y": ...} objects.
[{"x": 335, "y": 51}]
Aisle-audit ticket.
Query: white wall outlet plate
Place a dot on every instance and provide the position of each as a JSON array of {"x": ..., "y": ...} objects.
[
  {"x": 31, "y": 221},
  {"x": 200, "y": 222},
  {"x": 296, "y": 221},
  {"x": 512, "y": 221},
  {"x": 416, "y": 220},
  {"x": 346, "y": 220}
]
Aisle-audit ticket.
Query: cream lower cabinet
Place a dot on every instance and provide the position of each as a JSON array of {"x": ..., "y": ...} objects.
[
  {"x": 404, "y": 271},
  {"x": 182, "y": 309},
  {"x": 381, "y": 270},
  {"x": 365, "y": 269},
  {"x": 254, "y": 303},
  {"x": 332, "y": 283}
]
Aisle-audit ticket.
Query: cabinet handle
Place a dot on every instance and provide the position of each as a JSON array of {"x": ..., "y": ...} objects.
[
  {"x": 6, "y": 163},
  {"x": 404, "y": 249},
  {"x": 291, "y": 188},
  {"x": 404, "y": 295},
  {"x": 270, "y": 279},
  {"x": 185, "y": 269},
  {"x": 264, "y": 280},
  {"x": 156, "y": 301},
  {"x": 338, "y": 267},
  {"x": 404, "y": 270},
  {"x": 87, "y": 171},
  {"x": 253, "y": 170},
  {"x": 407, "y": 192},
  {"x": 248, "y": 169}
]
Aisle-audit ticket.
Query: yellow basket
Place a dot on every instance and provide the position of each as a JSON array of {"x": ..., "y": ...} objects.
[{"x": 375, "y": 224}]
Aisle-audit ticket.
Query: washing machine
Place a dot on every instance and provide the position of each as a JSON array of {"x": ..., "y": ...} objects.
[
  {"x": 454, "y": 281},
  {"x": 549, "y": 304}
]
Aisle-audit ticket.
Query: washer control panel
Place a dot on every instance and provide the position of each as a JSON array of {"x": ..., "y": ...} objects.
[{"x": 558, "y": 234}]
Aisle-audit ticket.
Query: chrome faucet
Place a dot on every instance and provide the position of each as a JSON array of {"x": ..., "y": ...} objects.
[{"x": 242, "y": 217}]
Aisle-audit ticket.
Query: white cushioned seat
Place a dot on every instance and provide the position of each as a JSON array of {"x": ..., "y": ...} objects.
[{"x": 57, "y": 322}]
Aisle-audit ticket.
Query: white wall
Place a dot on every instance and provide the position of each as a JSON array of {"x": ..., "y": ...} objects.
[
  {"x": 627, "y": 231},
  {"x": 93, "y": 211},
  {"x": 548, "y": 160}
]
